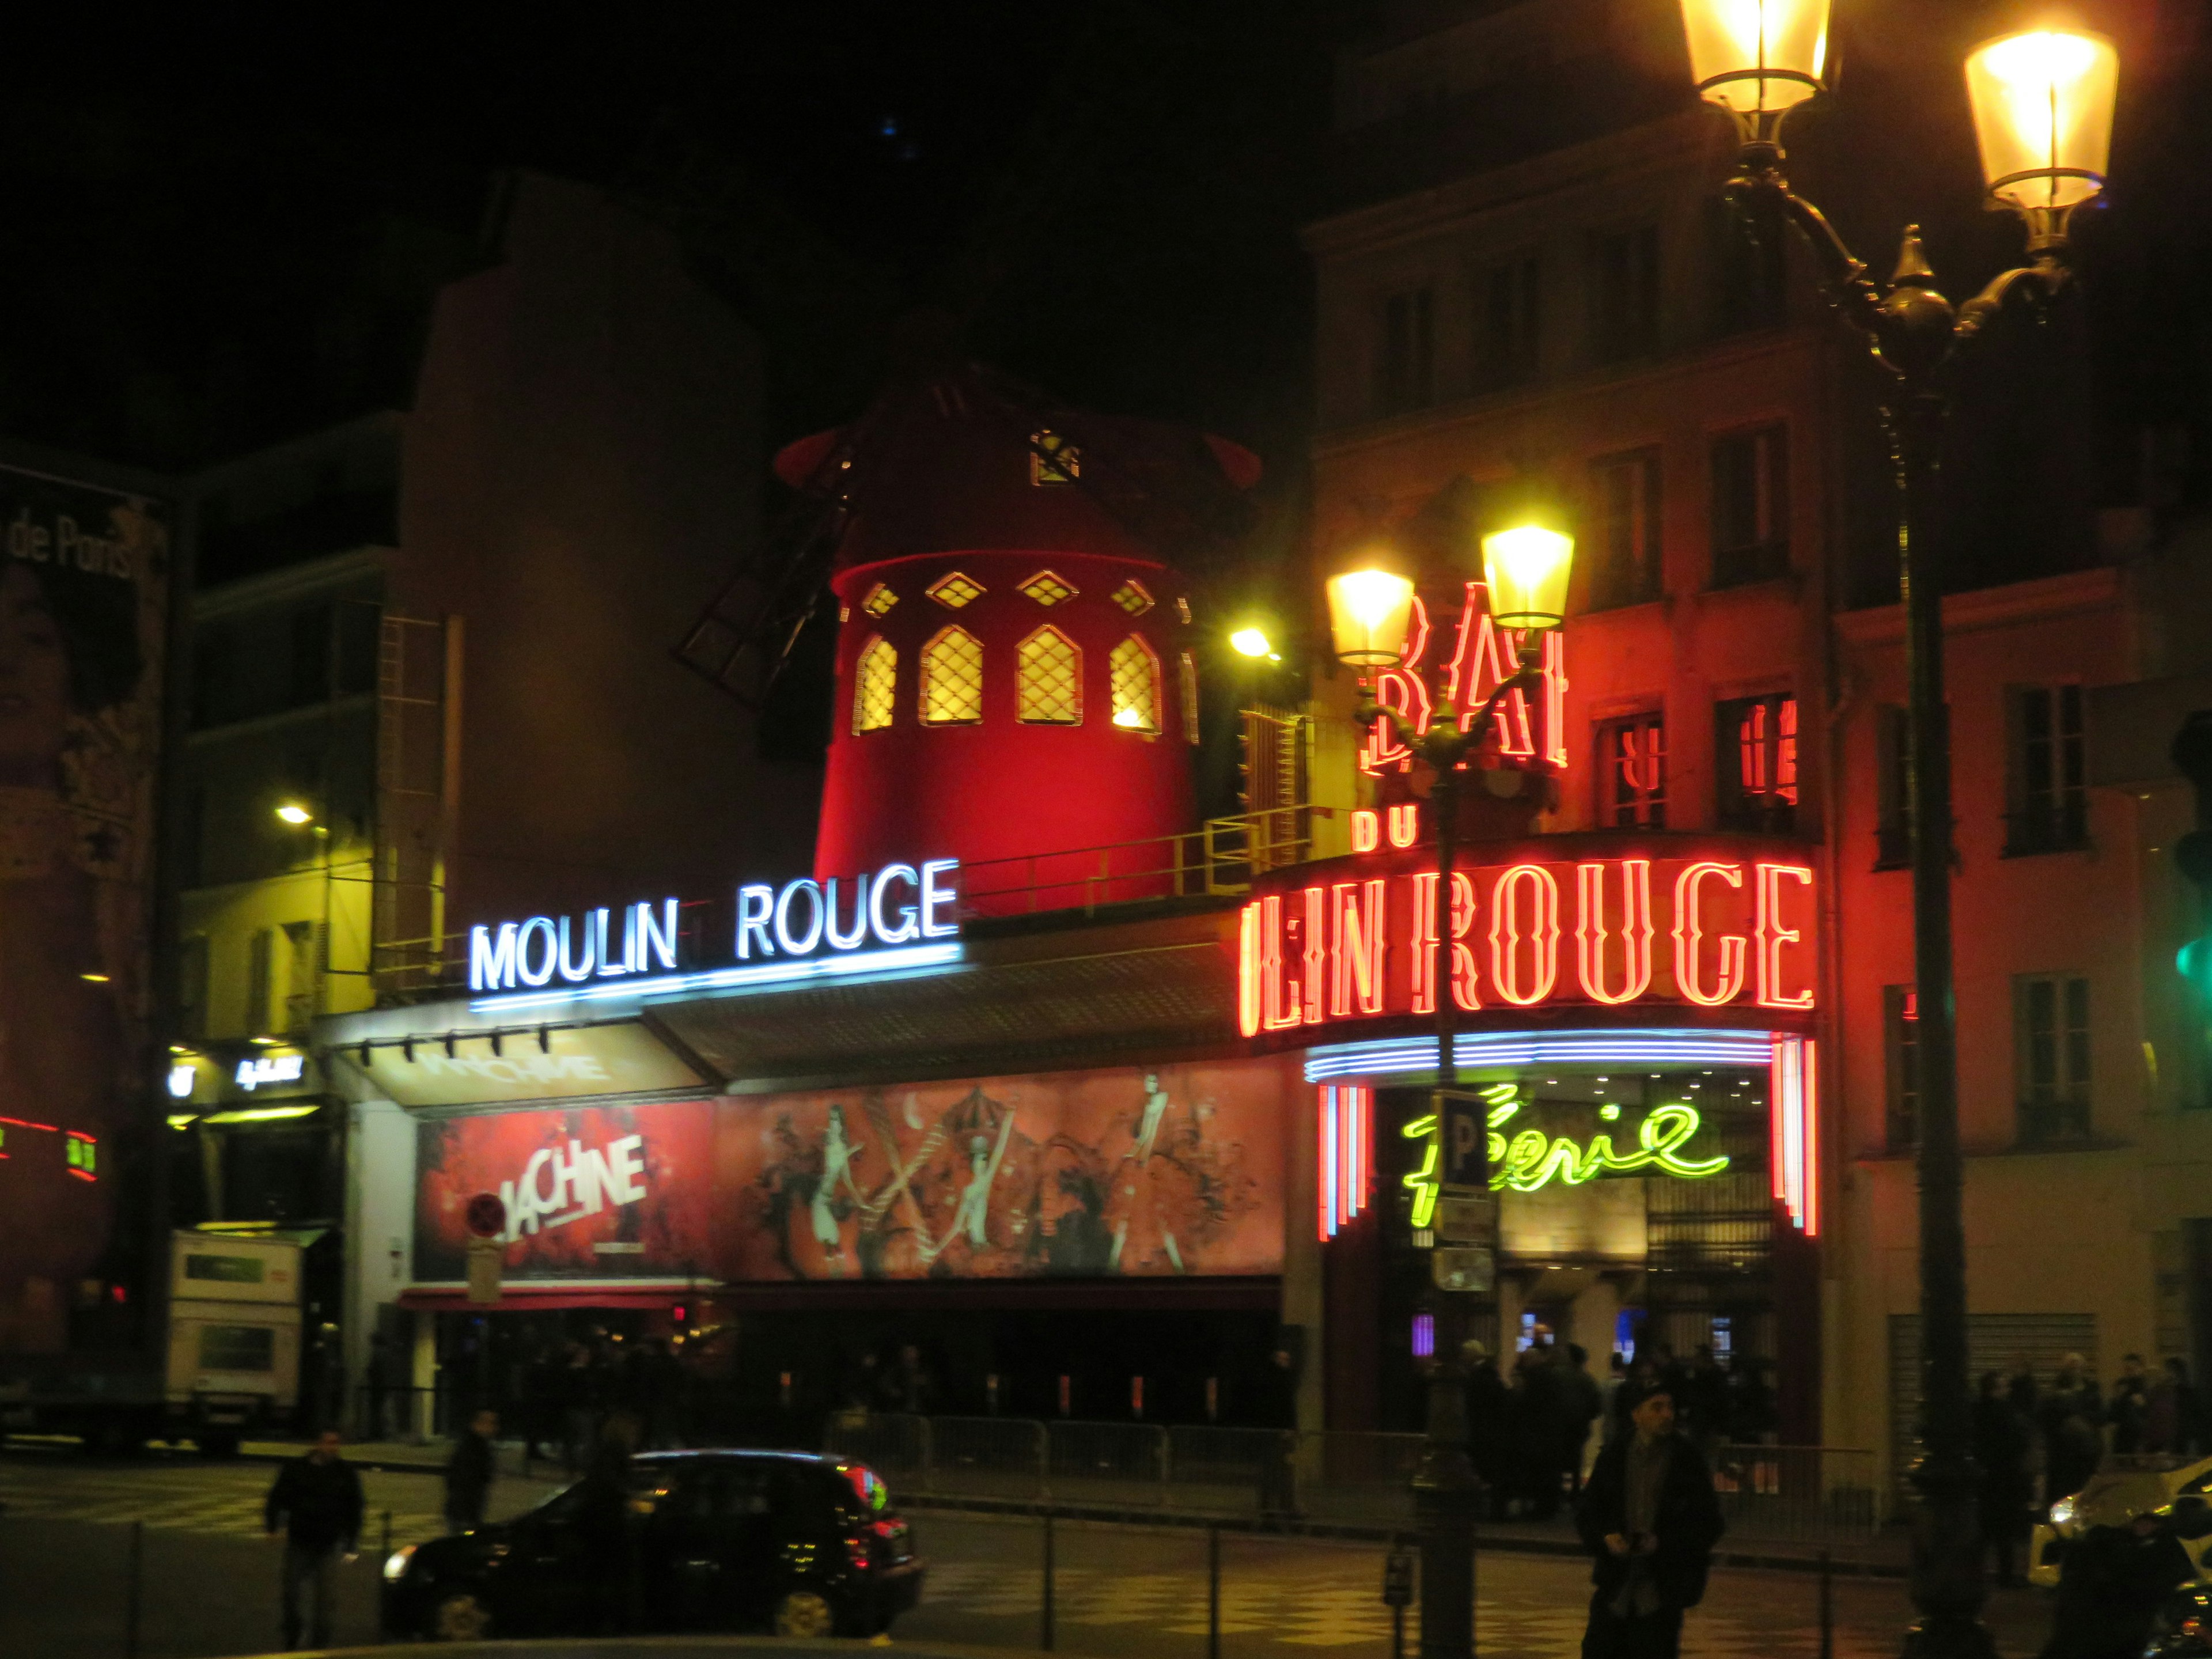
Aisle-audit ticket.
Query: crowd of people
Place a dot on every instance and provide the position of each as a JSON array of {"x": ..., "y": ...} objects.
[{"x": 1535, "y": 1429}]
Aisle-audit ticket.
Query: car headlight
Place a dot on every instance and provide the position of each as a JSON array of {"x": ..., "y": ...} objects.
[
  {"x": 395, "y": 1565},
  {"x": 2062, "y": 1513}
]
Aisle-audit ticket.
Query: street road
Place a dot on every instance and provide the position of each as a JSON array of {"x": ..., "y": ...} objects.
[{"x": 1123, "y": 1593}]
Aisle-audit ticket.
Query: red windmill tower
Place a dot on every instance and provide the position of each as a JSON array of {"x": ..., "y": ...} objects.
[{"x": 1016, "y": 671}]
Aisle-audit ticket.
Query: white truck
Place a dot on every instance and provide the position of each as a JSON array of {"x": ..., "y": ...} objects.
[{"x": 228, "y": 1362}]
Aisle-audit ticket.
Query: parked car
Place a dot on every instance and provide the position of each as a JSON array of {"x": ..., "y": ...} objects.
[
  {"x": 803, "y": 1544},
  {"x": 2114, "y": 1495}
]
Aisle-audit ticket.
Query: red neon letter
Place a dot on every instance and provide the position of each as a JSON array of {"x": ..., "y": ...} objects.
[
  {"x": 1247, "y": 970},
  {"x": 1280, "y": 1001},
  {"x": 1773, "y": 936},
  {"x": 1689, "y": 930},
  {"x": 1505, "y": 936},
  {"x": 1405, "y": 825},
  {"x": 1636, "y": 930},
  {"x": 1402, "y": 689},
  {"x": 1315, "y": 930},
  {"x": 1367, "y": 831},
  {"x": 1357, "y": 950},
  {"x": 1424, "y": 961}
]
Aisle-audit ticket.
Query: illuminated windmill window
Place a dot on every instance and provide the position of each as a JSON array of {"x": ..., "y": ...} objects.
[
  {"x": 952, "y": 679},
  {"x": 1189, "y": 697},
  {"x": 1134, "y": 674},
  {"x": 1183, "y": 610},
  {"x": 875, "y": 686},
  {"x": 953, "y": 589},
  {"x": 880, "y": 598},
  {"x": 1132, "y": 598},
  {"x": 1049, "y": 679},
  {"x": 1047, "y": 589},
  {"x": 1053, "y": 459}
]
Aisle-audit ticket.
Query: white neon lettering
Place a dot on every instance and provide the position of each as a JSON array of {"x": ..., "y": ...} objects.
[
  {"x": 585, "y": 1182},
  {"x": 491, "y": 964},
  {"x": 542, "y": 926},
  {"x": 755, "y": 905},
  {"x": 610, "y": 965},
  {"x": 909, "y": 925},
  {"x": 806, "y": 942},
  {"x": 934, "y": 896},
  {"x": 859, "y": 936},
  {"x": 656, "y": 942},
  {"x": 575, "y": 971},
  {"x": 252, "y": 1073}
]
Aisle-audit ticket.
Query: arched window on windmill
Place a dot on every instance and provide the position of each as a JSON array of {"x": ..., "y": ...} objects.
[
  {"x": 875, "y": 685},
  {"x": 952, "y": 678},
  {"x": 1134, "y": 673},
  {"x": 1049, "y": 679}
]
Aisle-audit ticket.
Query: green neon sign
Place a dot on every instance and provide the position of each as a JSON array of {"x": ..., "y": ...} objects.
[{"x": 1530, "y": 1159}]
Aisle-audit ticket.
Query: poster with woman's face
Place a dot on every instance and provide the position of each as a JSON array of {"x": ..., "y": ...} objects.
[{"x": 83, "y": 583}]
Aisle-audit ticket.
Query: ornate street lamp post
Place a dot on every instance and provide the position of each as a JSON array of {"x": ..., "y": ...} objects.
[
  {"x": 1371, "y": 610},
  {"x": 2043, "y": 117}
]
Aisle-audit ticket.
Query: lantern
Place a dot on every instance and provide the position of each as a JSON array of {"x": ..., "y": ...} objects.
[
  {"x": 2043, "y": 115},
  {"x": 1756, "y": 58},
  {"x": 1526, "y": 569},
  {"x": 1370, "y": 612}
]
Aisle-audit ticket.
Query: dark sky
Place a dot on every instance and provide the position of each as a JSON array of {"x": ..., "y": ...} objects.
[{"x": 221, "y": 221}]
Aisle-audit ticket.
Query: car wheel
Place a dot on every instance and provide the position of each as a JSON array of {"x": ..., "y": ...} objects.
[
  {"x": 806, "y": 1614},
  {"x": 461, "y": 1616}
]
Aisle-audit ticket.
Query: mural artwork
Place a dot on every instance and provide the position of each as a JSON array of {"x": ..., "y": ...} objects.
[{"x": 1171, "y": 1171}]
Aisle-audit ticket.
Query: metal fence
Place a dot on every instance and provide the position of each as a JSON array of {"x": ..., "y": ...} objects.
[{"x": 1779, "y": 1494}]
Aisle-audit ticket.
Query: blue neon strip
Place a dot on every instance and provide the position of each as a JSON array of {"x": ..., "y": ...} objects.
[
  {"x": 1666, "y": 1046},
  {"x": 769, "y": 976}
]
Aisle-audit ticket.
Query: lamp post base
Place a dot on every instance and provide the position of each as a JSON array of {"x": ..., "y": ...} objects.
[
  {"x": 1445, "y": 1507},
  {"x": 1948, "y": 1589}
]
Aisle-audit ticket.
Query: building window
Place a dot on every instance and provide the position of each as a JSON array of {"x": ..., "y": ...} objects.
[
  {"x": 875, "y": 686},
  {"x": 1405, "y": 360},
  {"x": 1625, "y": 489},
  {"x": 1632, "y": 773},
  {"x": 1053, "y": 459},
  {"x": 1189, "y": 699},
  {"x": 2050, "y": 1012},
  {"x": 260, "y": 978},
  {"x": 955, "y": 589},
  {"x": 1134, "y": 674},
  {"x": 1508, "y": 324},
  {"x": 1756, "y": 758},
  {"x": 1132, "y": 598},
  {"x": 952, "y": 678},
  {"x": 1624, "y": 293},
  {"x": 2049, "y": 800},
  {"x": 1900, "y": 1022},
  {"x": 1047, "y": 589},
  {"x": 1049, "y": 679},
  {"x": 880, "y": 598},
  {"x": 303, "y": 960},
  {"x": 1751, "y": 506}
]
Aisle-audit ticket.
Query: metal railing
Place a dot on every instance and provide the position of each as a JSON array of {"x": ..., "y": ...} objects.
[
  {"x": 1770, "y": 1494},
  {"x": 1219, "y": 859}
]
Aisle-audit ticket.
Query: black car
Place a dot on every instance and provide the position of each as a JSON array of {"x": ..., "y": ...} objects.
[{"x": 802, "y": 1544}]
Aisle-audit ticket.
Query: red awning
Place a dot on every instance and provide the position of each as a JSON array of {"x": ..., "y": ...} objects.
[{"x": 523, "y": 1298}]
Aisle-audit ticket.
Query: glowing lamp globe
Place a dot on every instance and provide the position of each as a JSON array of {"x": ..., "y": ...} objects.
[
  {"x": 1756, "y": 58},
  {"x": 1526, "y": 569},
  {"x": 2043, "y": 115},
  {"x": 1250, "y": 642},
  {"x": 1370, "y": 612}
]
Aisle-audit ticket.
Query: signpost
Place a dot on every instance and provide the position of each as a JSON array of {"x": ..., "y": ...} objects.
[{"x": 487, "y": 1220}]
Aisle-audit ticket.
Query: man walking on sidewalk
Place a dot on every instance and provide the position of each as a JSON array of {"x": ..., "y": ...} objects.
[
  {"x": 316, "y": 1503},
  {"x": 1650, "y": 1517},
  {"x": 469, "y": 1473}
]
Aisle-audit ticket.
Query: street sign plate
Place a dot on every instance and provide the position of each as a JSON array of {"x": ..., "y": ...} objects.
[
  {"x": 485, "y": 1255},
  {"x": 1471, "y": 1271},
  {"x": 1465, "y": 1219},
  {"x": 1463, "y": 1140}
]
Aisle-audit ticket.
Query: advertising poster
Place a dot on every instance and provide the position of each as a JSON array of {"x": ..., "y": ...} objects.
[
  {"x": 83, "y": 579},
  {"x": 599, "y": 1192},
  {"x": 1148, "y": 1172}
]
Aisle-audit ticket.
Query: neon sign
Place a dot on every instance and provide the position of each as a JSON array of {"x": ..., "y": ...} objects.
[
  {"x": 258, "y": 1069},
  {"x": 1530, "y": 1159},
  {"x": 1483, "y": 657},
  {"x": 765, "y": 914},
  {"x": 1601, "y": 921},
  {"x": 532, "y": 952}
]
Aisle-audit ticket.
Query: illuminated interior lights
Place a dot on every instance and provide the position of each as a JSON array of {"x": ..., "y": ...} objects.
[
  {"x": 263, "y": 1113},
  {"x": 1644, "y": 1046},
  {"x": 858, "y": 964},
  {"x": 26, "y": 1124},
  {"x": 1343, "y": 1113},
  {"x": 1794, "y": 1131},
  {"x": 183, "y": 1120}
]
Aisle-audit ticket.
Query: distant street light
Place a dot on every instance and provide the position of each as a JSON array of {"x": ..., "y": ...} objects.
[
  {"x": 294, "y": 814},
  {"x": 1371, "y": 613},
  {"x": 2043, "y": 120},
  {"x": 1251, "y": 642}
]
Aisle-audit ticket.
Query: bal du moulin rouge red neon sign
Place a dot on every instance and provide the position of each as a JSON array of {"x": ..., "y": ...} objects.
[{"x": 1719, "y": 924}]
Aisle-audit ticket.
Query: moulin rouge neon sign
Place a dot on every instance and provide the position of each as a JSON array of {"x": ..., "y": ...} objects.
[
  {"x": 1483, "y": 657},
  {"x": 1603, "y": 920}
]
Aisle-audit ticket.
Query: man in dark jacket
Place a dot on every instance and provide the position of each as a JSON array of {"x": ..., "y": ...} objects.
[
  {"x": 1650, "y": 1517},
  {"x": 469, "y": 1473},
  {"x": 315, "y": 1503}
]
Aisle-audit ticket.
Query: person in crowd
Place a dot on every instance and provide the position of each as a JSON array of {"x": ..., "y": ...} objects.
[
  {"x": 578, "y": 1393},
  {"x": 2130, "y": 1402},
  {"x": 315, "y": 1505},
  {"x": 1703, "y": 1400},
  {"x": 2003, "y": 1438},
  {"x": 2071, "y": 1416},
  {"x": 1580, "y": 1405},
  {"x": 1650, "y": 1519},
  {"x": 1609, "y": 1413},
  {"x": 2170, "y": 1411},
  {"x": 1490, "y": 1431},
  {"x": 602, "y": 1522},
  {"x": 914, "y": 1387},
  {"x": 1643, "y": 1377},
  {"x": 1755, "y": 1419},
  {"x": 1540, "y": 1426},
  {"x": 2111, "y": 1581},
  {"x": 1276, "y": 1407},
  {"x": 469, "y": 1473}
]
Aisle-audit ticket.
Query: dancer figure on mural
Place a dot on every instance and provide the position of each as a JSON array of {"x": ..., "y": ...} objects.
[
  {"x": 838, "y": 1156},
  {"x": 1142, "y": 1199},
  {"x": 974, "y": 1205}
]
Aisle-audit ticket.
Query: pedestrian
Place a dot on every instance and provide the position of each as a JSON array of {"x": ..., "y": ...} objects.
[
  {"x": 1489, "y": 1404},
  {"x": 916, "y": 1389},
  {"x": 603, "y": 1527},
  {"x": 1275, "y": 1406},
  {"x": 2001, "y": 1441},
  {"x": 1650, "y": 1519},
  {"x": 1579, "y": 1405},
  {"x": 1542, "y": 1381},
  {"x": 314, "y": 1504},
  {"x": 2111, "y": 1581},
  {"x": 2130, "y": 1402},
  {"x": 376, "y": 1382},
  {"x": 2071, "y": 1416},
  {"x": 469, "y": 1473}
]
